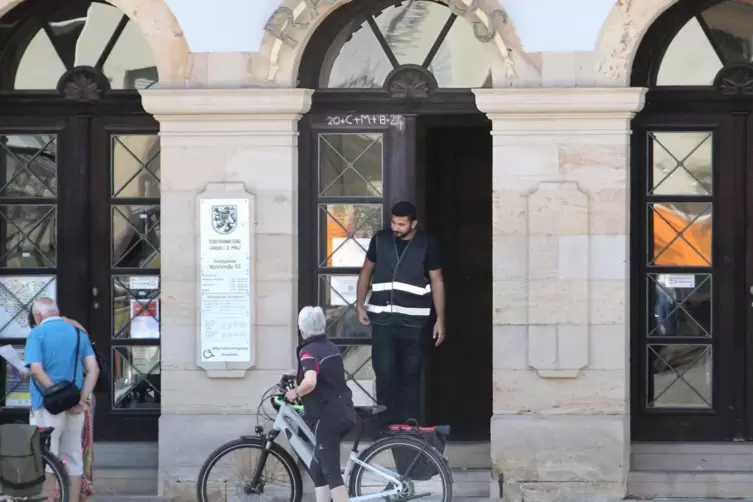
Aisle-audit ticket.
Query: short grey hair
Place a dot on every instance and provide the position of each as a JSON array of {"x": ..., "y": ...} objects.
[
  {"x": 45, "y": 307},
  {"x": 311, "y": 321}
]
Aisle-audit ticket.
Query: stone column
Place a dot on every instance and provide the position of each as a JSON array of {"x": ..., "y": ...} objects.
[
  {"x": 560, "y": 430},
  {"x": 239, "y": 138}
]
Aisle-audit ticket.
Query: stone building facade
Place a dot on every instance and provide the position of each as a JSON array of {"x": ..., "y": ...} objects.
[{"x": 561, "y": 96}]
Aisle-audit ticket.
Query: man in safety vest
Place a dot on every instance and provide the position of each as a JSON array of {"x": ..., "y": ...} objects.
[{"x": 405, "y": 274}]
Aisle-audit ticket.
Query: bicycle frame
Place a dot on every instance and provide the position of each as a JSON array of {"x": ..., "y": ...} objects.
[{"x": 290, "y": 423}]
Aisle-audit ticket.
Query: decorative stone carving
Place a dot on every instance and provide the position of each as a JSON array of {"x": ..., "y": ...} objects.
[
  {"x": 558, "y": 302},
  {"x": 735, "y": 80},
  {"x": 410, "y": 81},
  {"x": 284, "y": 19},
  {"x": 83, "y": 83}
]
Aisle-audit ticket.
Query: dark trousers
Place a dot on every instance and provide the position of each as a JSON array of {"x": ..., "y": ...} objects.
[{"x": 397, "y": 354}]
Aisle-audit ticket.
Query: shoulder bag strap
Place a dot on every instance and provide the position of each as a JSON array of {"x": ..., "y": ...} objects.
[{"x": 75, "y": 360}]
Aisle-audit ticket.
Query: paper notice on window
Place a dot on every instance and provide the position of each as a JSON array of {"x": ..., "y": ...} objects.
[
  {"x": 13, "y": 357},
  {"x": 680, "y": 280}
]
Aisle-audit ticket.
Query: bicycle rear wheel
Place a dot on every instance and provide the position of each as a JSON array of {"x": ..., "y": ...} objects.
[
  {"x": 419, "y": 465},
  {"x": 227, "y": 474}
]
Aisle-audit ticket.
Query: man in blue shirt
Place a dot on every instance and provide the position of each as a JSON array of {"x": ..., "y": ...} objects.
[{"x": 51, "y": 358}]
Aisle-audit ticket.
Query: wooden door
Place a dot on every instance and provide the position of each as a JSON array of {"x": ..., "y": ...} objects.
[
  {"x": 125, "y": 262},
  {"x": 688, "y": 276}
]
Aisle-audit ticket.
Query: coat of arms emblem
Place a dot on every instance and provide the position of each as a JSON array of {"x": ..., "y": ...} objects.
[{"x": 224, "y": 219}]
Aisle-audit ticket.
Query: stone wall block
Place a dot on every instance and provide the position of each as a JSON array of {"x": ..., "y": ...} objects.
[
  {"x": 510, "y": 258},
  {"x": 594, "y": 167},
  {"x": 510, "y": 347},
  {"x": 525, "y": 392},
  {"x": 557, "y": 208},
  {"x": 509, "y": 216},
  {"x": 608, "y": 301},
  {"x": 559, "y": 449},
  {"x": 558, "y": 351},
  {"x": 510, "y": 302},
  {"x": 275, "y": 257}
]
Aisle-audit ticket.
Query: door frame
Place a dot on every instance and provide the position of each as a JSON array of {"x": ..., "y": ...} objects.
[
  {"x": 400, "y": 166},
  {"x": 678, "y": 109}
]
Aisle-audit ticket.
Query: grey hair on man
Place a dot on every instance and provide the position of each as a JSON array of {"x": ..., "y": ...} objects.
[
  {"x": 311, "y": 321},
  {"x": 44, "y": 307}
]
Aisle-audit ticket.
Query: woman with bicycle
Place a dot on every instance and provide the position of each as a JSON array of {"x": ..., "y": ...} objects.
[{"x": 327, "y": 401}]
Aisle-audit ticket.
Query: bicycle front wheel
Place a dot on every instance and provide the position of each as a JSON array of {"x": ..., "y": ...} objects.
[
  {"x": 228, "y": 474},
  {"x": 62, "y": 481},
  {"x": 421, "y": 468}
]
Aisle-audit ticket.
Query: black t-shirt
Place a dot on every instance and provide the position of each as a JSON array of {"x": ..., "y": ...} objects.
[
  {"x": 331, "y": 396},
  {"x": 431, "y": 261}
]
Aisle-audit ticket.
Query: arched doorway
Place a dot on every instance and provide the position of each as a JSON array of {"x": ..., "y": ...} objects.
[
  {"x": 692, "y": 243},
  {"x": 80, "y": 196},
  {"x": 393, "y": 118}
]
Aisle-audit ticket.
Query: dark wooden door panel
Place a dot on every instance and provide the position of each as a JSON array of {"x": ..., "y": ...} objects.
[
  {"x": 125, "y": 257},
  {"x": 687, "y": 274},
  {"x": 458, "y": 200}
]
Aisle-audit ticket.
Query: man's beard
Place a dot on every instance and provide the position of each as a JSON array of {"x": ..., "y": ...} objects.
[{"x": 400, "y": 235}]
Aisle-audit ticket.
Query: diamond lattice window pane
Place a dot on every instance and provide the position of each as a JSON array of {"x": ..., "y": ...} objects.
[
  {"x": 30, "y": 236},
  {"x": 682, "y": 163},
  {"x": 347, "y": 231},
  {"x": 136, "y": 306},
  {"x": 16, "y": 295},
  {"x": 135, "y": 166},
  {"x": 136, "y": 377},
  {"x": 136, "y": 236},
  {"x": 350, "y": 165},
  {"x": 359, "y": 373},
  {"x": 680, "y": 376},
  {"x": 30, "y": 165},
  {"x": 681, "y": 234},
  {"x": 337, "y": 296},
  {"x": 681, "y": 305}
]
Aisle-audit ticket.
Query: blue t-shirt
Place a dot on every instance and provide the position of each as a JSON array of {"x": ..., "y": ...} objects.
[{"x": 53, "y": 344}]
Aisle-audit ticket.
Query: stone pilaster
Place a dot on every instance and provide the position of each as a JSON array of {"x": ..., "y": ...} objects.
[
  {"x": 560, "y": 430},
  {"x": 246, "y": 136}
]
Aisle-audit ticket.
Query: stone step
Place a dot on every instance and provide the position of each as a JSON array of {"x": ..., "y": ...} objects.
[
  {"x": 691, "y": 457},
  {"x": 109, "y": 481},
  {"x": 708, "y": 484}
]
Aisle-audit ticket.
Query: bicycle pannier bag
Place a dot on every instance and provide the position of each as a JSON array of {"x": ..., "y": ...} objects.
[
  {"x": 63, "y": 395},
  {"x": 408, "y": 462},
  {"x": 21, "y": 462}
]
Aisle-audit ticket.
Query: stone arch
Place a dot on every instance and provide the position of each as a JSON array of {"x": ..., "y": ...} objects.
[
  {"x": 291, "y": 26},
  {"x": 161, "y": 31},
  {"x": 621, "y": 34}
]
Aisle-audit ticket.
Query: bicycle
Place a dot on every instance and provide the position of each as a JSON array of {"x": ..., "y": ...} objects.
[
  {"x": 57, "y": 466},
  {"x": 393, "y": 477}
]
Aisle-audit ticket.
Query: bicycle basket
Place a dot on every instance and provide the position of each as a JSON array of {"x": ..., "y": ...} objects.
[
  {"x": 421, "y": 468},
  {"x": 21, "y": 462}
]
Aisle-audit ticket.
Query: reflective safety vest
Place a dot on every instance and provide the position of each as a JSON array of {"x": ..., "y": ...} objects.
[{"x": 400, "y": 292}]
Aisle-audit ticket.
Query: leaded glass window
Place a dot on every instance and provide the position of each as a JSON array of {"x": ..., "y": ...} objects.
[
  {"x": 419, "y": 33},
  {"x": 77, "y": 35},
  {"x": 718, "y": 37}
]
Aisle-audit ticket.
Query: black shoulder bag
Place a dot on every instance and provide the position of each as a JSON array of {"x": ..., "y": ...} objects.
[{"x": 64, "y": 395}]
